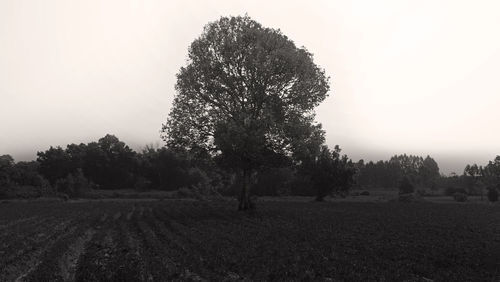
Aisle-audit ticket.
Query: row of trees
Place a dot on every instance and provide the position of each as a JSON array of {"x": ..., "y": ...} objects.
[
  {"x": 106, "y": 164},
  {"x": 21, "y": 174},
  {"x": 423, "y": 173},
  {"x": 110, "y": 164},
  {"x": 243, "y": 113},
  {"x": 481, "y": 178},
  {"x": 420, "y": 171}
]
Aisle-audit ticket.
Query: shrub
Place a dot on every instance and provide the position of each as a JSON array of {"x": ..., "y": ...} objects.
[
  {"x": 364, "y": 193},
  {"x": 184, "y": 192},
  {"x": 6, "y": 187},
  {"x": 450, "y": 191},
  {"x": 424, "y": 193},
  {"x": 405, "y": 187},
  {"x": 492, "y": 194},
  {"x": 62, "y": 196},
  {"x": 273, "y": 182},
  {"x": 409, "y": 198},
  {"x": 197, "y": 176},
  {"x": 142, "y": 184},
  {"x": 27, "y": 192},
  {"x": 44, "y": 187},
  {"x": 460, "y": 197},
  {"x": 4, "y": 194},
  {"x": 74, "y": 185}
]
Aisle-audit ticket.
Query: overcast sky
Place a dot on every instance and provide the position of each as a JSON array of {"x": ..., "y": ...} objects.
[{"x": 418, "y": 77}]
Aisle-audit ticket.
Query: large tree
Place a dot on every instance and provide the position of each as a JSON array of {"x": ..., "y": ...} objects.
[{"x": 247, "y": 96}]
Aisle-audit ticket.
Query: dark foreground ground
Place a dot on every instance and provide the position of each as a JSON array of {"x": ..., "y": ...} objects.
[{"x": 189, "y": 240}]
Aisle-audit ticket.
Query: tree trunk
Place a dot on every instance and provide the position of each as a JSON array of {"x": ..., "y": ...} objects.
[{"x": 245, "y": 202}]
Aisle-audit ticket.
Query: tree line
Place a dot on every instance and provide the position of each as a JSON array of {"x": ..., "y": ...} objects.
[
  {"x": 424, "y": 175},
  {"x": 110, "y": 164},
  {"x": 242, "y": 120},
  {"x": 421, "y": 171}
]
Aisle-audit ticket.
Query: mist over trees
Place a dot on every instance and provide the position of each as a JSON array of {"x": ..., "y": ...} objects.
[
  {"x": 109, "y": 164},
  {"x": 242, "y": 122},
  {"x": 79, "y": 168}
]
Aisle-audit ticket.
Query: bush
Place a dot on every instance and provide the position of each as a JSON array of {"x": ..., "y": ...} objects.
[
  {"x": 460, "y": 197},
  {"x": 6, "y": 187},
  {"x": 409, "y": 198},
  {"x": 405, "y": 187},
  {"x": 184, "y": 192},
  {"x": 492, "y": 194},
  {"x": 424, "y": 193},
  {"x": 142, "y": 184},
  {"x": 450, "y": 191},
  {"x": 197, "y": 176},
  {"x": 273, "y": 182},
  {"x": 364, "y": 193},
  {"x": 62, "y": 196},
  {"x": 3, "y": 194},
  {"x": 74, "y": 185}
]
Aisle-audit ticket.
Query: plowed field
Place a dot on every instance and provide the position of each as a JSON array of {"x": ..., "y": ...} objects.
[{"x": 196, "y": 241}]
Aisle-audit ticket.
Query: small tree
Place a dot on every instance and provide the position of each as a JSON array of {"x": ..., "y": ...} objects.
[
  {"x": 492, "y": 194},
  {"x": 406, "y": 187},
  {"x": 55, "y": 163},
  {"x": 74, "y": 185},
  {"x": 473, "y": 172},
  {"x": 460, "y": 197},
  {"x": 331, "y": 172},
  {"x": 6, "y": 170}
]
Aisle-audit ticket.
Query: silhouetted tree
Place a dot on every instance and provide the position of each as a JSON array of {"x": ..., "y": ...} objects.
[
  {"x": 491, "y": 172},
  {"x": 6, "y": 170},
  {"x": 110, "y": 163},
  {"x": 165, "y": 168},
  {"x": 406, "y": 186},
  {"x": 246, "y": 96},
  {"x": 26, "y": 174},
  {"x": 472, "y": 173},
  {"x": 388, "y": 174},
  {"x": 429, "y": 172},
  {"x": 493, "y": 194},
  {"x": 116, "y": 163},
  {"x": 74, "y": 184},
  {"x": 331, "y": 172},
  {"x": 55, "y": 163}
]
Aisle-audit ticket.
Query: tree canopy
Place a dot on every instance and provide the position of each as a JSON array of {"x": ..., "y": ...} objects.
[
  {"x": 418, "y": 170},
  {"x": 247, "y": 96}
]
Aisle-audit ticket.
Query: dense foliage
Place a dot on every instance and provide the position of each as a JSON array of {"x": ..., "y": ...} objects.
[
  {"x": 493, "y": 194},
  {"x": 388, "y": 174},
  {"x": 246, "y": 97},
  {"x": 330, "y": 172},
  {"x": 110, "y": 164},
  {"x": 406, "y": 186}
]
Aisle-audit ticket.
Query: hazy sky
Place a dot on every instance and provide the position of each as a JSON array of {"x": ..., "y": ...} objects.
[{"x": 421, "y": 77}]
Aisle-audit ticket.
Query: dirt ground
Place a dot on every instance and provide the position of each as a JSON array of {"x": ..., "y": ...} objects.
[{"x": 282, "y": 240}]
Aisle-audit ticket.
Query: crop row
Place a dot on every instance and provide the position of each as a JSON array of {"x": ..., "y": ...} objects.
[{"x": 190, "y": 240}]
